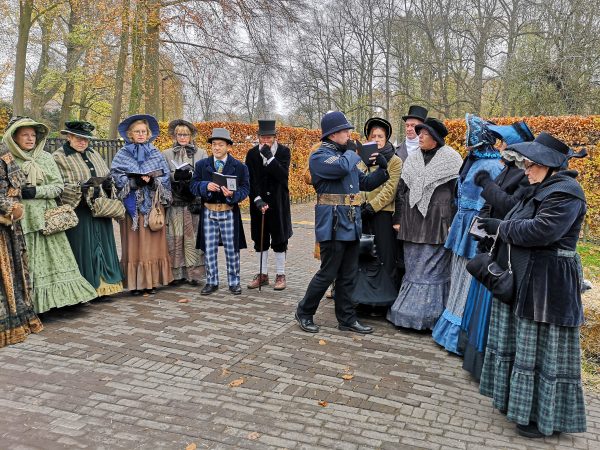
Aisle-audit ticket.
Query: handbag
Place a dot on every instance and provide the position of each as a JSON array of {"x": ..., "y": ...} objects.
[
  {"x": 59, "y": 219},
  {"x": 156, "y": 219},
  {"x": 367, "y": 245},
  {"x": 195, "y": 207},
  {"x": 499, "y": 281},
  {"x": 105, "y": 205}
]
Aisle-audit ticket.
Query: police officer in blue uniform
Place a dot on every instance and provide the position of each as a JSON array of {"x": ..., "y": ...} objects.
[{"x": 338, "y": 226}]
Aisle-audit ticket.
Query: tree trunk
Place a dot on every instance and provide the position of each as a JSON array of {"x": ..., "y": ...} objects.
[
  {"x": 25, "y": 11},
  {"x": 151, "y": 79},
  {"x": 115, "y": 114},
  {"x": 137, "y": 57},
  {"x": 39, "y": 98}
]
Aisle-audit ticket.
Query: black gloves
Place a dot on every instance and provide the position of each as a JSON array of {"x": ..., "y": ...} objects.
[
  {"x": 141, "y": 183},
  {"x": 482, "y": 178},
  {"x": 484, "y": 244},
  {"x": 28, "y": 192},
  {"x": 381, "y": 161},
  {"x": 265, "y": 150},
  {"x": 260, "y": 203},
  {"x": 182, "y": 175},
  {"x": 489, "y": 225},
  {"x": 107, "y": 184},
  {"x": 351, "y": 145},
  {"x": 366, "y": 210}
]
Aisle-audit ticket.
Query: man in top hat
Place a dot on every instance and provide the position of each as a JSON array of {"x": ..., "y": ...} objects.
[
  {"x": 269, "y": 167},
  {"x": 416, "y": 116},
  {"x": 338, "y": 226},
  {"x": 220, "y": 220}
]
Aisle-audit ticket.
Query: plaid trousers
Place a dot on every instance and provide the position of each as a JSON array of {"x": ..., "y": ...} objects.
[{"x": 220, "y": 224}]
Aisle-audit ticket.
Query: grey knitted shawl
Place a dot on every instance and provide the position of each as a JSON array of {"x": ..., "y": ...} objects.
[{"x": 422, "y": 179}]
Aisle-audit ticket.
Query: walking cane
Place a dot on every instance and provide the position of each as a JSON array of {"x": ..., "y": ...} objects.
[{"x": 262, "y": 240}]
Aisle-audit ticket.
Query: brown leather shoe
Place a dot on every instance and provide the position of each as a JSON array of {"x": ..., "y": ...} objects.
[
  {"x": 258, "y": 278},
  {"x": 280, "y": 283}
]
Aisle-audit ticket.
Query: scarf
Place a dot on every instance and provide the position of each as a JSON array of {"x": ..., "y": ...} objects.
[
  {"x": 33, "y": 172},
  {"x": 423, "y": 179},
  {"x": 412, "y": 145},
  {"x": 388, "y": 151},
  {"x": 190, "y": 150},
  {"x": 127, "y": 161}
]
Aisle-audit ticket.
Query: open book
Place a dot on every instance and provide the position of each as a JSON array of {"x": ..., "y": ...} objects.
[
  {"x": 184, "y": 166},
  {"x": 229, "y": 181},
  {"x": 152, "y": 173}
]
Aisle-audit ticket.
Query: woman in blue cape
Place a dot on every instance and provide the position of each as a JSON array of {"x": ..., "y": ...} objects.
[
  {"x": 140, "y": 172},
  {"x": 482, "y": 156}
]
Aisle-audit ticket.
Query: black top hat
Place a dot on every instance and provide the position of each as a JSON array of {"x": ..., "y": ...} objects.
[
  {"x": 545, "y": 150},
  {"x": 79, "y": 128},
  {"x": 436, "y": 129},
  {"x": 177, "y": 122},
  {"x": 266, "y": 127},
  {"x": 378, "y": 122},
  {"x": 416, "y": 112}
]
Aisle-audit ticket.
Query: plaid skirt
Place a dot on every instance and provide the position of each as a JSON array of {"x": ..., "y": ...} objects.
[{"x": 532, "y": 372}]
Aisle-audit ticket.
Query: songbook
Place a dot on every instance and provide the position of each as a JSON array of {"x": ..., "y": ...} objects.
[
  {"x": 184, "y": 166},
  {"x": 228, "y": 181},
  {"x": 152, "y": 174},
  {"x": 476, "y": 231},
  {"x": 366, "y": 150},
  {"x": 96, "y": 181}
]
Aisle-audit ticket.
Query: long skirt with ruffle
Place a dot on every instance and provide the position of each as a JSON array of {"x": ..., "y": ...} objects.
[
  {"x": 187, "y": 262},
  {"x": 145, "y": 257},
  {"x": 17, "y": 317},
  {"x": 532, "y": 372},
  {"x": 447, "y": 328},
  {"x": 425, "y": 287},
  {"x": 54, "y": 273}
]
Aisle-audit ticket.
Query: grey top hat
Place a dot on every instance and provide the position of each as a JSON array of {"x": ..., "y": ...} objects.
[
  {"x": 222, "y": 134},
  {"x": 266, "y": 127}
]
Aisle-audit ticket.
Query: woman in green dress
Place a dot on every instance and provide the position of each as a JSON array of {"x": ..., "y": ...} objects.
[
  {"x": 17, "y": 318},
  {"x": 93, "y": 239},
  {"x": 54, "y": 271}
]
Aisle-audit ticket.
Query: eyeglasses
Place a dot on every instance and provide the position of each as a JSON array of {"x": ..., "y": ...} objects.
[
  {"x": 140, "y": 131},
  {"x": 183, "y": 135},
  {"x": 529, "y": 164}
]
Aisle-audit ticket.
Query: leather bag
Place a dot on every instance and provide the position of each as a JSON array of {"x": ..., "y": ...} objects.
[
  {"x": 156, "y": 219},
  {"x": 499, "y": 281}
]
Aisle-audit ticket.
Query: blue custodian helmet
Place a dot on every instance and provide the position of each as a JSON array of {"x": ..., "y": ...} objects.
[{"x": 334, "y": 121}]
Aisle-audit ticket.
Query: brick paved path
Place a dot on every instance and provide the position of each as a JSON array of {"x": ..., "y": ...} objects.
[{"x": 153, "y": 373}]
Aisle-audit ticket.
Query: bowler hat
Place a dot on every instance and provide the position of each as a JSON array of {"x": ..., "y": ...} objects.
[
  {"x": 152, "y": 123},
  {"x": 436, "y": 129},
  {"x": 79, "y": 128},
  {"x": 544, "y": 150},
  {"x": 416, "y": 112},
  {"x": 178, "y": 122},
  {"x": 378, "y": 122},
  {"x": 221, "y": 134},
  {"x": 266, "y": 127},
  {"x": 512, "y": 134},
  {"x": 334, "y": 121}
]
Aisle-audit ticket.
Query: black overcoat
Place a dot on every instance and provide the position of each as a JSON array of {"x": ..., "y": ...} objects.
[
  {"x": 543, "y": 230},
  {"x": 270, "y": 182}
]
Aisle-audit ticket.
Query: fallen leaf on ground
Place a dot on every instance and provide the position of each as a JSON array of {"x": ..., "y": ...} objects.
[
  {"x": 183, "y": 300},
  {"x": 253, "y": 436},
  {"x": 322, "y": 342},
  {"x": 145, "y": 294},
  {"x": 347, "y": 376},
  {"x": 225, "y": 372},
  {"x": 323, "y": 403},
  {"x": 237, "y": 382},
  {"x": 106, "y": 379},
  {"x": 376, "y": 386},
  {"x": 356, "y": 338},
  {"x": 191, "y": 446}
]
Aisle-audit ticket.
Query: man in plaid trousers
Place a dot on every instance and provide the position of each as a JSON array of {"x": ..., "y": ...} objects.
[{"x": 220, "y": 220}]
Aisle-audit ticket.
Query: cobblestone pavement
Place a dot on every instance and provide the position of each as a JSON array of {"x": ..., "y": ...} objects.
[{"x": 236, "y": 372}]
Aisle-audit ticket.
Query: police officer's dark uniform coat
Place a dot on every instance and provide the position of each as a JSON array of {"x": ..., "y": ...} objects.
[{"x": 270, "y": 182}]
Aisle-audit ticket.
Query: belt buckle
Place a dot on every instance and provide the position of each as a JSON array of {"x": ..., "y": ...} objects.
[{"x": 350, "y": 199}]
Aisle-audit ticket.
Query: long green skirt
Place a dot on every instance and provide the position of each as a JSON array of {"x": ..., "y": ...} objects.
[
  {"x": 532, "y": 371},
  {"x": 94, "y": 248},
  {"x": 54, "y": 273}
]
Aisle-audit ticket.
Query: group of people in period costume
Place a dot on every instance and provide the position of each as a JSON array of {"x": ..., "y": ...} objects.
[
  {"x": 393, "y": 229},
  {"x": 525, "y": 352},
  {"x": 175, "y": 215}
]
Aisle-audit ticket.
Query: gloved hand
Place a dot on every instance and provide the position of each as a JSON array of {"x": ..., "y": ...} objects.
[
  {"x": 352, "y": 145},
  {"x": 182, "y": 175},
  {"x": 133, "y": 184},
  {"x": 260, "y": 203},
  {"x": 141, "y": 182},
  {"x": 28, "y": 192},
  {"x": 96, "y": 193},
  {"x": 482, "y": 178},
  {"x": 489, "y": 225},
  {"x": 107, "y": 184},
  {"x": 265, "y": 150},
  {"x": 381, "y": 161},
  {"x": 484, "y": 244},
  {"x": 366, "y": 209}
]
